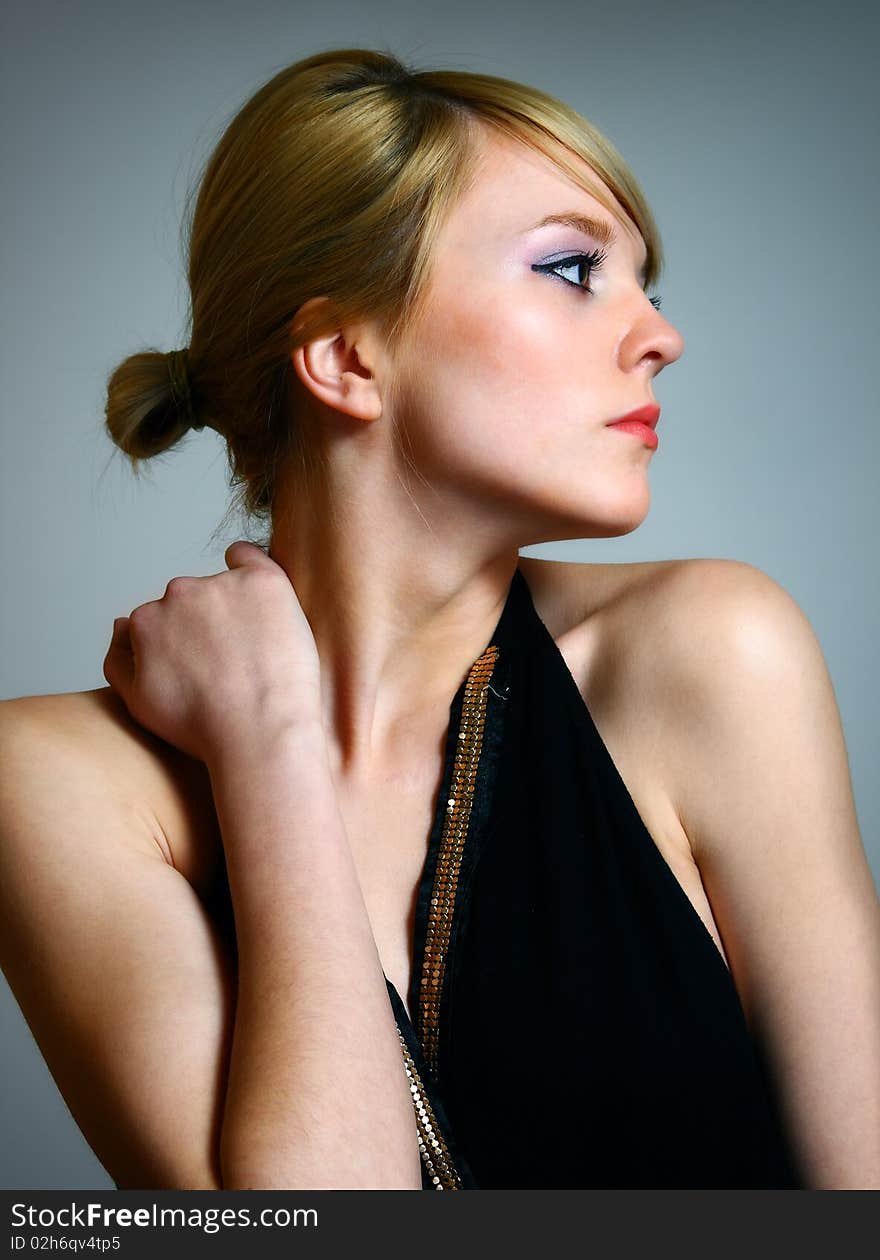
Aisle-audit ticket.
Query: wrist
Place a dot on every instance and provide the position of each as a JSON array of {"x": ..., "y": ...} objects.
[{"x": 259, "y": 742}]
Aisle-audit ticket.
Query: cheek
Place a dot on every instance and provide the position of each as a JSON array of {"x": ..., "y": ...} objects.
[
  {"x": 505, "y": 342},
  {"x": 499, "y": 393},
  {"x": 507, "y": 365}
]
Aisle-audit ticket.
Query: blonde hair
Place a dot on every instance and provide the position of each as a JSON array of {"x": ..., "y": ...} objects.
[{"x": 332, "y": 180}]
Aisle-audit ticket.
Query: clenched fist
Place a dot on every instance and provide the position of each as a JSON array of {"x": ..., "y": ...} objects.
[{"x": 218, "y": 656}]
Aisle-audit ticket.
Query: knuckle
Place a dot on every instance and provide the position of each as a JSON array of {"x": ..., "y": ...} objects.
[{"x": 138, "y": 616}]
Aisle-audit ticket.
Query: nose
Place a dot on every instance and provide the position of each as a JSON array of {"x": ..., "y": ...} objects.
[{"x": 650, "y": 337}]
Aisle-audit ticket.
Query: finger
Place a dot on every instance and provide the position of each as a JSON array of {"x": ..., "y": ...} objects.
[
  {"x": 119, "y": 661},
  {"x": 242, "y": 552}
]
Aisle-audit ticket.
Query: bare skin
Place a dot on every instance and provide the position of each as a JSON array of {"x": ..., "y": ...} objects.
[
  {"x": 505, "y": 393},
  {"x": 772, "y": 863},
  {"x": 401, "y": 566},
  {"x": 526, "y": 369},
  {"x": 388, "y": 823}
]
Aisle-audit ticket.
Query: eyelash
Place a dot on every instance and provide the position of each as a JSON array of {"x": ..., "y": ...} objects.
[{"x": 593, "y": 260}]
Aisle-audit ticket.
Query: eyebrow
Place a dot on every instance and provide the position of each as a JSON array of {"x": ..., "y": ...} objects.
[{"x": 600, "y": 229}]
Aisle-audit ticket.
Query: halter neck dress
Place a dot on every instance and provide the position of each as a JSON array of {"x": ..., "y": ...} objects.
[{"x": 574, "y": 1025}]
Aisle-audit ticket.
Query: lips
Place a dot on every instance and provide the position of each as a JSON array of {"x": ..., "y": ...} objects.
[{"x": 649, "y": 414}]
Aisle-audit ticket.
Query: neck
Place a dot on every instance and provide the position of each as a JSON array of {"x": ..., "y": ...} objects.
[{"x": 399, "y": 607}]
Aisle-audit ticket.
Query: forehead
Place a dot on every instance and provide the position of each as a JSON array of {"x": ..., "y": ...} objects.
[{"x": 516, "y": 186}]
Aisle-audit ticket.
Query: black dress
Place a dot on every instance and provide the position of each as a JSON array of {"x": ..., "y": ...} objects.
[
  {"x": 576, "y": 1026},
  {"x": 574, "y": 1023}
]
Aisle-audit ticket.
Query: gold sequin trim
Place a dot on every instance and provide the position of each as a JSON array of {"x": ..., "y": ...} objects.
[
  {"x": 433, "y": 1150},
  {"x": 455, "y": 828}
]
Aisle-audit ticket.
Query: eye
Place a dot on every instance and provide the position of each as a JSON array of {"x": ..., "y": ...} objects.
[
  {"x": 582, "y": 263},
  {"x": 591, "y": 262}
]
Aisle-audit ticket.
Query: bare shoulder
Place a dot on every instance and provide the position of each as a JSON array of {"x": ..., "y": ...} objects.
[
  {"x": 568, "y": 594},
  {"x": 662, "y": 631},
  {"x": 169, "y": 791},
  {"x": 729, "y": 646},
  {"x": 719, "y": 692},
  {"x": 695, "y": 622},
  {"x": 656, "y": 649},
  {"x": 120, "y": 969},
  {"x": 675, "y": 652},
  {"x": 705, "y": 596},
  {"x": 608, "y": 611}
]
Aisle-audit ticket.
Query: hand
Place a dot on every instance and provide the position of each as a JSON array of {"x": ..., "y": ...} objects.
[{"x": 218, "y": 657}]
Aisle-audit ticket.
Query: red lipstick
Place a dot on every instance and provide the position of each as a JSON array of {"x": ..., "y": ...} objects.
[{"x": 640, "y": 423}]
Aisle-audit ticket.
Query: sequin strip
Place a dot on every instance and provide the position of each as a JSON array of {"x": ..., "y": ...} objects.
[
  {"x": 455, "y": 828},
  {"x": 434, "y": 1151}
]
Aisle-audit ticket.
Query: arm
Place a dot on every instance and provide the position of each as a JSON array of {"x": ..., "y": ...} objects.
[
  {"x": 318, "y": 1097},
  {"x": 129, "y": 989},
  {"x": 764, "y": 795},
  {"x": 226, "y": 669},
  {"x": 118, "y": 970}
]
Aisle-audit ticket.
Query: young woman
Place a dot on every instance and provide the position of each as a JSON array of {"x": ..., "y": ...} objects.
[{"x": 388, "y": 857}]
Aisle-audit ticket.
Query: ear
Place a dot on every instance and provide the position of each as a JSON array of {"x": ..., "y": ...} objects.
[{"x": 338, "y": 366}]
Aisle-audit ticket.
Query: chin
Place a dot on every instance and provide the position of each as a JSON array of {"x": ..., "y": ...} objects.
[
  {"x": 580, "y": 526},
  {"x": 610, "y": 519},
  {"x": 625, "y": 514},
  {"x": 618, "y": 530}
]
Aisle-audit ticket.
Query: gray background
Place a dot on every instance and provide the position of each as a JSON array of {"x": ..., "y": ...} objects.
[{"x": 753, "y": 131}]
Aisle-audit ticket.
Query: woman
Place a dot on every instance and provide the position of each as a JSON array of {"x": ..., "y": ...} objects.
[{"x": 411, "y": 862}]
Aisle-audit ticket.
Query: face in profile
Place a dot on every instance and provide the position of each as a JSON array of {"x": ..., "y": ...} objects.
[{"x": 523, "y": 356}]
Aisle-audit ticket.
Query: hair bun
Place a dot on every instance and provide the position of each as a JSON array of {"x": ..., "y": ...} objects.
[{"x": 178, "y": 372}]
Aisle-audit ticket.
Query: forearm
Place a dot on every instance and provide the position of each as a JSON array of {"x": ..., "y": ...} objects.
[{"x": 317, "y": 1097}]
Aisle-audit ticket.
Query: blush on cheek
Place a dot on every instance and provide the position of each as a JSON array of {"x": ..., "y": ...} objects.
[
  {"x": 540, "y": 345},
  {"x": 498, "y": 341}
]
